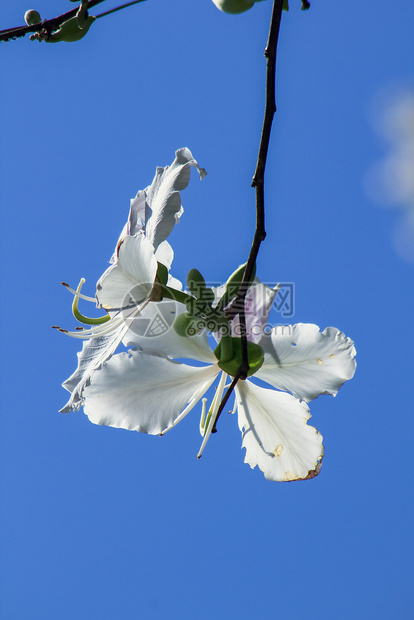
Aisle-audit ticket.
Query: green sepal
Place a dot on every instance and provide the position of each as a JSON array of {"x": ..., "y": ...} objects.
[
  {"x": 186, "y": 326},
  {"x": 233, "y": 286},
  {"x": 162, "y": 274},
  {"x": 192, "y": 306},
  {"x": 161, "y": 279},
  {"x": 172, "y": 293},
  {"x": 255, "y": 357},
  {"x": 207, "y": 296},
  {"x": 195, "y": 282}
]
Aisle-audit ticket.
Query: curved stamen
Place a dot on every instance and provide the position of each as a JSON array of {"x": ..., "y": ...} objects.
[
  {"x": 106, "y": 327},
  {"x": 82, "y": 318},
  {"x": 78, "y": 293},
  {"x": 95, "y": 332}
]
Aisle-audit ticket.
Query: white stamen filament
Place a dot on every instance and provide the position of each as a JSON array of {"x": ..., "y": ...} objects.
[
  {"x": 203, "y": 417},
  {"x": 109, "y": 326},
  {"x": 200, "y": 392},
  {"x": 203, "y": 421},
  {"x": 214, "y": 409},
  {"x": 78, "y": 294}
]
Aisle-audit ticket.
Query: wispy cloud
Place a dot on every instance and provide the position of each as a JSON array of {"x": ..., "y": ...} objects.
[{"x": 390, "y": 182}]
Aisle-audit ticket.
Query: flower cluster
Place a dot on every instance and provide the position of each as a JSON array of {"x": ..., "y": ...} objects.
[{"x": 146, "y": 389}]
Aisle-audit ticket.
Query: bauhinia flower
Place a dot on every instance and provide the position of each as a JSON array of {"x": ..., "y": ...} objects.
[
  {"x": 147, "y": 390},
  {"x": 140, "y": 263}
]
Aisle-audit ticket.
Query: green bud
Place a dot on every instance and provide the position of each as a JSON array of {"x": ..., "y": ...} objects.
[
  {"x": 186, "y": 326},
  {"x": 32, "y": 17},
  {"x": 234, "y": 6},
  {"x": 231, "y": 366}
]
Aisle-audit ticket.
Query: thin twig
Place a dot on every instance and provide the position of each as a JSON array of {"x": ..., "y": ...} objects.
[
  {"x": 258, "y": 178},
  {"x": 226, "y": 398},
  {"x": 237, "y": 306},
  {"x": 49, "y": 24}
]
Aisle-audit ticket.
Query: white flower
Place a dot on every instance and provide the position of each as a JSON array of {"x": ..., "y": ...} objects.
[
  {"x": 148, "y": 391},
  {"x": 125, "y": 288}
]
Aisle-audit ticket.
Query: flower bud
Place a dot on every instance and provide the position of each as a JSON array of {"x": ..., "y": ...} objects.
[
  {"x": 255, "y": 356},
  {"x": 32, "y": 17},
  {"x": 234, "y": 6},
  {"x": 185, "y": 325}
]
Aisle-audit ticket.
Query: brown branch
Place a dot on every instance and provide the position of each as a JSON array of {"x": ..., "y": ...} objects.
[
  {"x": 226, "y": 398},
  {"x": 258, "y": 178},
  {"x": 238, "y": 303},
  {"x": 49, "y": 24}
]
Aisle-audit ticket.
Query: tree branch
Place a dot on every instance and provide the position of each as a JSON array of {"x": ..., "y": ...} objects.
[
  {"x": 225, "y": 399},
  {"x": 49, "y": 24},
  {"x": 258, "y": 178},
  {"x": 258, "y": 183}
]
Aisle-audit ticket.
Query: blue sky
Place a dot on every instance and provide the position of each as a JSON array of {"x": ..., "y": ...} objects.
[{"x": 104, "y": 523}]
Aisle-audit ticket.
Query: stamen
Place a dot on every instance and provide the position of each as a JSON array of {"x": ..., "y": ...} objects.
[
  {"x": 64, "y": 331},
  {"x": 109, "y": 326},
  {"x": 96, "y": 332},
  {"x": 213, "y": 409},
  {"x": 200, "y": 392},
  {"x": 203, "y": 417},
  {"x": 80, "y": 317},
  {"x": 78, "y": 293}
]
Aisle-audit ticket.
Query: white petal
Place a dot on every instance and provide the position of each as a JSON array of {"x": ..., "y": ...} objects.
[
  {"x": 306, "y": 362},
  {"x": 129, "y": 281},
  {"x": 94, "y": 353},
  {"x": 135, "y": 223},
  {"x": 163, "y": 196},
  {"x": 165, "y": 254},
  {"x": 152, "y": 332},
  {"x": 143, "y": 392},
  {"x": 136, "y": 217},
  {"x": 276, "y": 435},
  {"x": 174, "y": 283}
]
